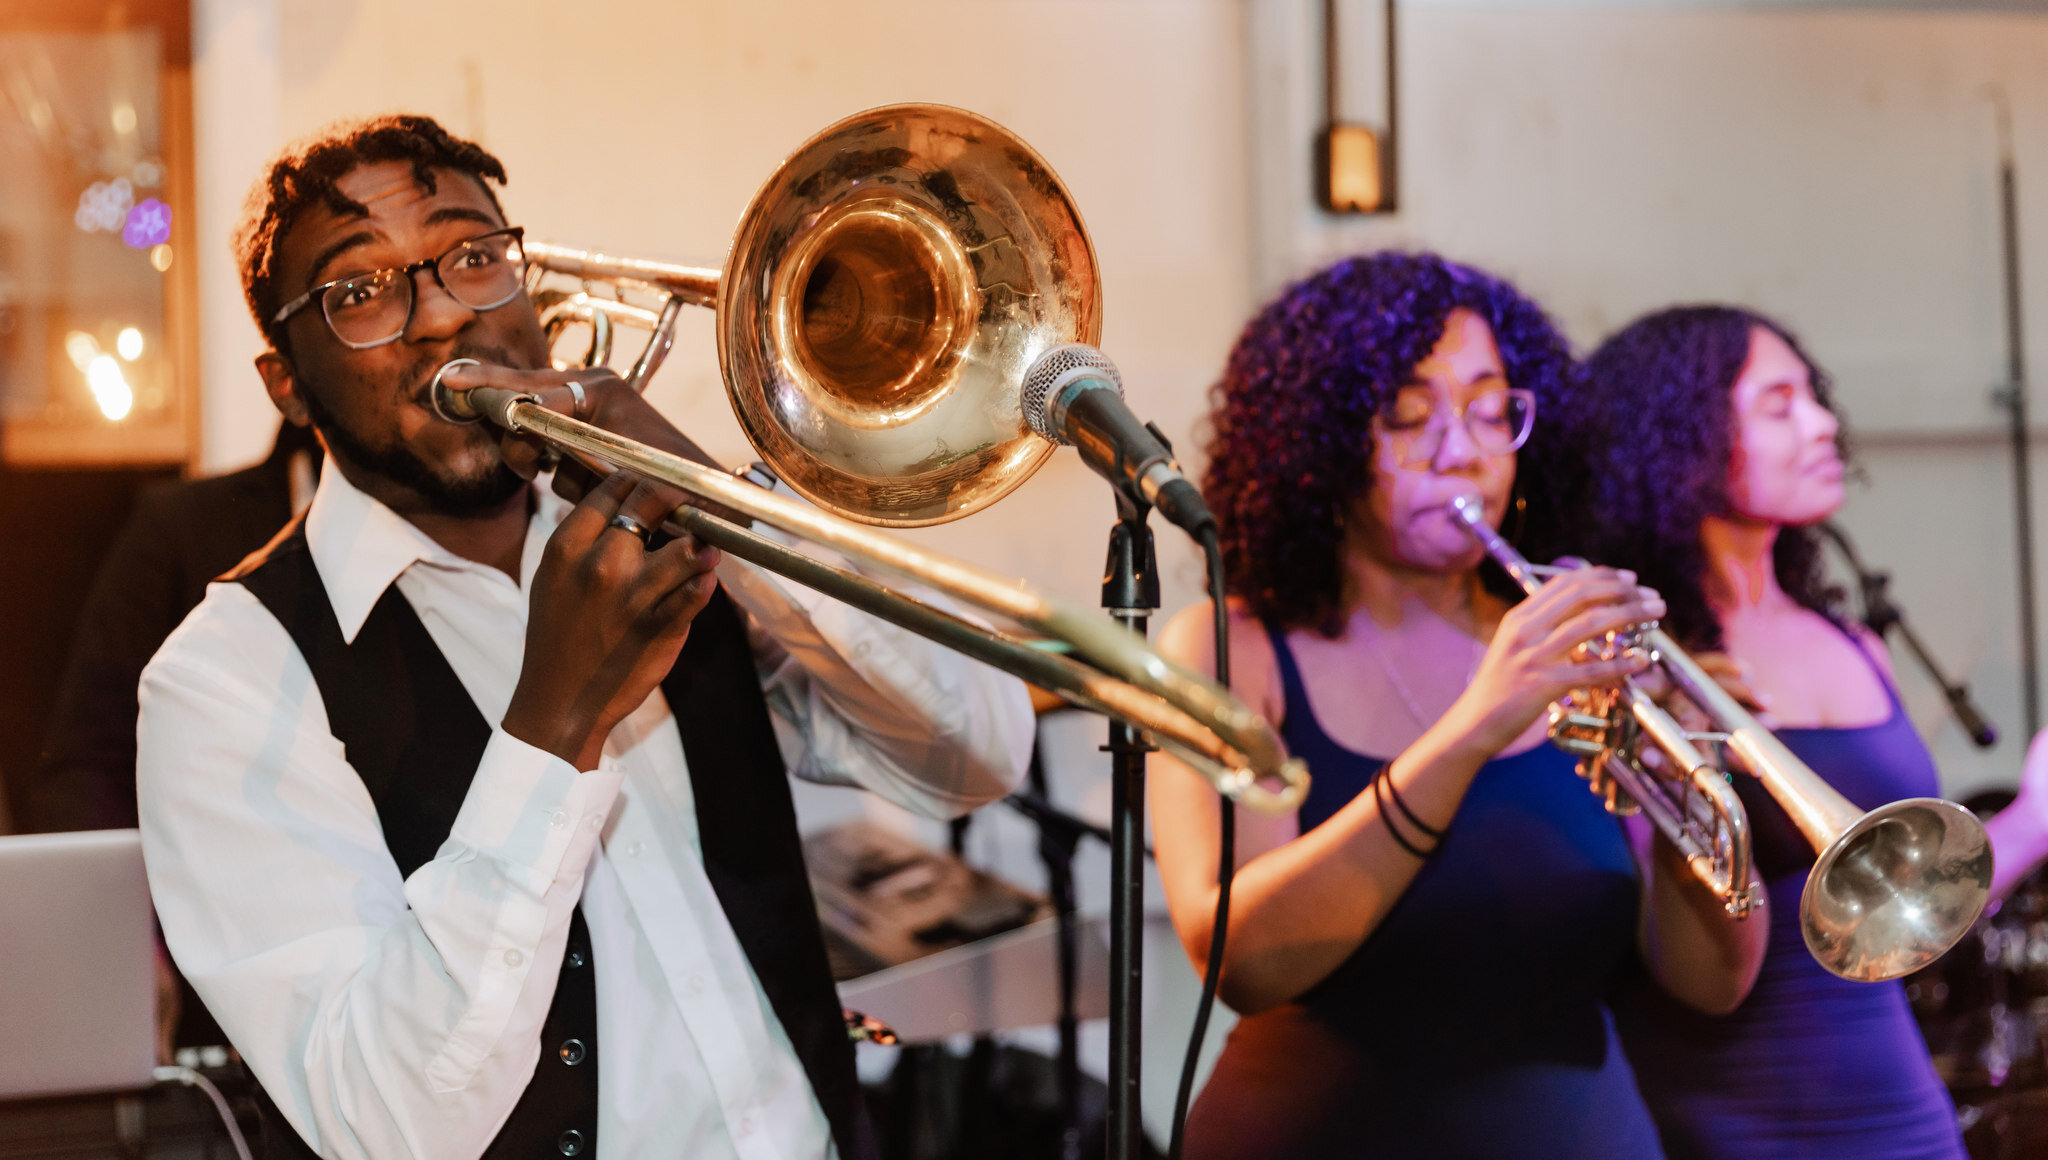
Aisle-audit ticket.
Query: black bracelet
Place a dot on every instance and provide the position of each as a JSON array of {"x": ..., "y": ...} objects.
[
  {"x": 1387, "y": 775},
  {"x": 1379, "y": 797}
]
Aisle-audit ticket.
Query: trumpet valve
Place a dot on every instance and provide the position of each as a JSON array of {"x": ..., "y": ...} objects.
[{"x": 1580, "y": 734}]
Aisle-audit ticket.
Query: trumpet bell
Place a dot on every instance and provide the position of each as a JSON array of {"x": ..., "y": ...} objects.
[
  {"x": 885, "y": 293},
  {"x": 1896, "y": 890}
]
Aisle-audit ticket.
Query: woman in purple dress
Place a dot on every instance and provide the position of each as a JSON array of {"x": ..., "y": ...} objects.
[
  {"x": 1716, "y": 457},
  {"x": 1419, "y": 955}
]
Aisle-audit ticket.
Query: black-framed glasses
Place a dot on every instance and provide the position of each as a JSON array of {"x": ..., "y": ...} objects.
[
  {"x": 1497, "y": 421},
  {"x": 366, "y": 310}
]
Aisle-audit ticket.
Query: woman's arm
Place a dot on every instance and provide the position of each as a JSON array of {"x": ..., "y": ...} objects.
[
  {"x": 2019, "y": 832},
  {"x": 1299, "y": 907},
  {"x": 1695, "y": 950}
]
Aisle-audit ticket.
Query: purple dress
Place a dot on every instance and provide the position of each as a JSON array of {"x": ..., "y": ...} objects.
[
  {"x": 1470, "y": 1025},
  {"x": 1811, "y": 1066}
]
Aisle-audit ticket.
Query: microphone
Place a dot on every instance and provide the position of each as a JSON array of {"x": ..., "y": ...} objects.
[{"x": 1073, "y": 394}]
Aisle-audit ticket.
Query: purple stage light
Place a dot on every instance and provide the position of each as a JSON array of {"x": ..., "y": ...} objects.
[{"x": 149, "y": 224}]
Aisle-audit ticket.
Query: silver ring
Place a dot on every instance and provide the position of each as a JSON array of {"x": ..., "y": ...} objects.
[
  {"x": 628, "y": 524},
  {"x": 576, "y": 393}
]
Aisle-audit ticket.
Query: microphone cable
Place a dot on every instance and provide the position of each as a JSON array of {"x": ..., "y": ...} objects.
[{"x": 1226, "y": 862}]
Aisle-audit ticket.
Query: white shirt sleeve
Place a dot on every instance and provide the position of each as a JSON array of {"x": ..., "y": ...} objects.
[
  {"x": 859, "y": 701},
  {"x": 387, "y": 1018}
]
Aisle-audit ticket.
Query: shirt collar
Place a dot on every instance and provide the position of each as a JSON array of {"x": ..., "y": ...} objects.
[{"x": 360, "y": 547}]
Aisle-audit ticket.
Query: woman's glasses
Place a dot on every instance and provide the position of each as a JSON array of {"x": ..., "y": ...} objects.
[
  {"x": 1497, "y": 421},
  {"x": 366, "y": 310}
]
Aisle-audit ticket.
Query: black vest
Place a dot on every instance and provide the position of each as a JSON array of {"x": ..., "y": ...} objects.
[{"x": 415, "y": 738}]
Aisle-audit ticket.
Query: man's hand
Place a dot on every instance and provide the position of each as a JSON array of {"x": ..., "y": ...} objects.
[{"x": 606, "y": 620}]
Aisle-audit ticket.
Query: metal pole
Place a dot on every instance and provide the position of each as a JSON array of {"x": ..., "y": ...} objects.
[
  {"x": 2015, "y": 397},
  {"x": 1130, "y": 593},
  {"x": 1390, "y": 144}
]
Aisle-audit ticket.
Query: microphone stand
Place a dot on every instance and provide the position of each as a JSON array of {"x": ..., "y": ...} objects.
[
  {"x": 1130, "y": 594},
  {"x": 1059, "y": 835},
  {"x": 1883, "y": 617}
]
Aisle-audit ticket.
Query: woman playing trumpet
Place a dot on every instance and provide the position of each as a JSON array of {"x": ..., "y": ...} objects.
[
  {"x": 1420, "y": 954},
  {"x": 1714, "y": 457}
]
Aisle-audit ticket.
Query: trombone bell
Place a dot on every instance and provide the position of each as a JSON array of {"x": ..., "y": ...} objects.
[{"x": 885, "y": 293}]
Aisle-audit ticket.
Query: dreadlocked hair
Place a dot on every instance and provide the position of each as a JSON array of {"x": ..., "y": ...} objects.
[
  {"x": 304, "y": 174},
  {"x": 1663, "y": 391}
]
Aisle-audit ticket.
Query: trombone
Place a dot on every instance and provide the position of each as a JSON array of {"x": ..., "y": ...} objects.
[
  {"x": 886, "y": 291},
  {"x": 1890, "y": 891}
]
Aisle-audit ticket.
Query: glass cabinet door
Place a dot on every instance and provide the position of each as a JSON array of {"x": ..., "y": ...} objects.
[{"x": 97, "y": 337}]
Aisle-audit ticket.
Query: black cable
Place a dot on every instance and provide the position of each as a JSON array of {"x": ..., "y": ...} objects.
[{"x": 1226, "y": 865}]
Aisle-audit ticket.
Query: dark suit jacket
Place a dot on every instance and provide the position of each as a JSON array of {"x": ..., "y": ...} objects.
[{"x": 182, "y": 536}]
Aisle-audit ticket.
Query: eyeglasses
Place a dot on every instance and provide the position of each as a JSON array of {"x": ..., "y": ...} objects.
[
  {"x": 366, "y": 310},
  {"x": 1497, "y": 421}
]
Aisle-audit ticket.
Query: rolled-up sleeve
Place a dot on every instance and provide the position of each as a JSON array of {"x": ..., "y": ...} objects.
[
  {"x": 386, "y": 1016},
  {"x": 860, "y": 701}
]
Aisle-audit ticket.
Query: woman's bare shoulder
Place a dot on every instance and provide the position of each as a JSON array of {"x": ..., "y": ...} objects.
[{"x": 1190, "y": 639}]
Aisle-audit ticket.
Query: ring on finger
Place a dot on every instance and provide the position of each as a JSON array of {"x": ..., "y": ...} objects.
[
  {"x": 576, "y": 393},
  {"x": 630, "y": 526}
]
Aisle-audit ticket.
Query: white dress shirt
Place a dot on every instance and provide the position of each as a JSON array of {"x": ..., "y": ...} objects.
[{"x": 400, "y": 1018}]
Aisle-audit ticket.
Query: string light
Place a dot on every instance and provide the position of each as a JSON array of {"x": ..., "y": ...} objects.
[{"x": 109, "y": 388}]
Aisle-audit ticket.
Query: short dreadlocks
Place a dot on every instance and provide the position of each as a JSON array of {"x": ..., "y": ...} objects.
[{"x": 304, "y": 175}]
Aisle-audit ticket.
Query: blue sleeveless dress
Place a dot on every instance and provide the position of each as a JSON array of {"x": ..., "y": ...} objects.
[
  {"x": 1471, "y": 1023},
  {"x": 1811, "y": 1066}
]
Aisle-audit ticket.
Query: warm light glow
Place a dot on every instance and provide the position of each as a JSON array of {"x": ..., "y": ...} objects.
[
  {"x": 124, "y": 117},
  {"x": 82, "y": 348},
  {"x": 160, "y": 257},
  {"x": 129, "y": 343},
  {"x": 109, "y": 389}
]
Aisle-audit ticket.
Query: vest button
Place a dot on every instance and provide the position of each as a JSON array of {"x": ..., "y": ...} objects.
[
  {"x": 571, "y": 1143},
  {"x": 572, "y": 1051},
  {"x": 574, "y": 958}
]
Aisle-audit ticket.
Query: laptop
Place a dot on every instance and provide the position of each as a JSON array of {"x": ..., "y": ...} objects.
[{"x": 77, "y": 969}]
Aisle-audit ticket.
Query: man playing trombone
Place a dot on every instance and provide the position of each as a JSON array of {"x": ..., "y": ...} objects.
[{"x": 465, "y": 808}]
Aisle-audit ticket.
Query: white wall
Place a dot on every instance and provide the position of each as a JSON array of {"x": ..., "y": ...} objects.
[{"x": 1831, "y": 166}]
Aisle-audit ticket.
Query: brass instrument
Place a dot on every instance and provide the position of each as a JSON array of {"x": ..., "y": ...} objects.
[
  {"x": 886, "y": 292},
  {"x": 1891, "y": 890}
]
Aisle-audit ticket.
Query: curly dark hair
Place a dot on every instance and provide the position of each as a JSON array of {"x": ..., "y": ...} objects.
[
  {"x": 1663, "y": 391},
  {"x": 303, "y": 175},
  {"x": 1291, "y": 442}
]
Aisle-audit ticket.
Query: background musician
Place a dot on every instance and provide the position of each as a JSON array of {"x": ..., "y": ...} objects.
[
  {"x": 1420, "y": 955},
  {"x": 465, "y": 808},
  {"x": 1715, "y": 454}
]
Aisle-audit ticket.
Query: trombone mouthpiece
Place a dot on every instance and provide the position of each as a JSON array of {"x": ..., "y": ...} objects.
[{"x": 449, "y": 404}]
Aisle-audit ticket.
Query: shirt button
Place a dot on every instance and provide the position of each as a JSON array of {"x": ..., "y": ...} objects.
[
  {"x": 596, "y": 823},
  {"x": 570, "y": 1143},
  {"x": 513, "y": 958},
  {"x": 746, "y": 1125},
  {"x": 696, "y": 983},
  {"x": 572, "y": 1051},
  {"x": 560, "y": 819},
  {"x": 575, "y": 959},
  {"x": 633, "y": 849}
]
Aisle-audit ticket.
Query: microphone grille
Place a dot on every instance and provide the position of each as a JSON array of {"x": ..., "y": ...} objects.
[{"x": 1055, "y": 369}]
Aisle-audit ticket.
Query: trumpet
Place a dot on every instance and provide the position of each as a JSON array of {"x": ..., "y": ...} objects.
[
  {"x": 1890, "y": 891},
  {"x": 887, "y": 290}
]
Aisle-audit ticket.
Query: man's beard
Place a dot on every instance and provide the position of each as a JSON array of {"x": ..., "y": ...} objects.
[{"x": 456, "y": 495}]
